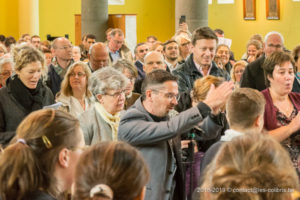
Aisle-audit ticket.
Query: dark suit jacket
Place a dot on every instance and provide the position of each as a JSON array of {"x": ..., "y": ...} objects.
[
  {"x": 253, "y": 76},
  {"x": 187, "y": 73},
  {"x": 139, "y": 67}
]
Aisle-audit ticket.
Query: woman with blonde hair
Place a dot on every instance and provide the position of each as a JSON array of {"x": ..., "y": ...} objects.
[
  {"x": 253, "y": 166},
  {"x": 75, "y": 95},
  {"x": 237, "y": 72},
  {"x": 111, "y": 170},
  {"x": 24, "y": 92},
  {"x": 40, "y": 162}
]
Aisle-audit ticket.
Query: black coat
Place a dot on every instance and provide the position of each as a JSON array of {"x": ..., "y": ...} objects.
[
  {"x": 187, "y": 73},
  {"x": 253, "y": 76},
  {"x": 54, "y": 80}
]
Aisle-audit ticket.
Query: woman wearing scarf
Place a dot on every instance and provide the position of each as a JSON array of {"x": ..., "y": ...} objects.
[
  {"x": 102, "y": 121},
  {"x": 24, "y": 92}
]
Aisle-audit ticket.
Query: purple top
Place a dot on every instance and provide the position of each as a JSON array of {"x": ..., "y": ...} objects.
[{"x": 270, "y": 110}]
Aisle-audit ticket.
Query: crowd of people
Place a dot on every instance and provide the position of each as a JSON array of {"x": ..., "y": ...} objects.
[{"x": 174, "y": 120}]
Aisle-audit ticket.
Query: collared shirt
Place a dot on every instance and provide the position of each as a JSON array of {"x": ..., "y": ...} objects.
[
  {"x": 115, "y": 55},
  {"x": 230, "y": 134},
  {"x": 170, "y": 66},
  {"x": 201, "y": 70}
]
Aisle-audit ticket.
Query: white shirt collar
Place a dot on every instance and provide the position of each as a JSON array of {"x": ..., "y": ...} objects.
[{"x": 230, "y": 134}]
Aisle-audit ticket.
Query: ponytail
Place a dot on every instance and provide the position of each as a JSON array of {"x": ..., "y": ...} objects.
[
  {"x": 101, "y": 192},
  {"x": 19, "y": 171}
]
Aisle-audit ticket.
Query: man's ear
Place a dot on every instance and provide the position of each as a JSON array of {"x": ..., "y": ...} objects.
[
  {"x": 99, "y": 98},
  {"x": 64, "y": 158},
  {"x": 144, "y": 68},
  {"x": 149, "y": 95},
  {"x": 259, "y": 120}
]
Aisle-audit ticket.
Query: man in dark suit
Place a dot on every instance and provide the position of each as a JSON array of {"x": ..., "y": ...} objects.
[
  {"x": 147, "y": 126},
  {"x": 253, "y": 76},
  {"x": 140, "y": 51}
]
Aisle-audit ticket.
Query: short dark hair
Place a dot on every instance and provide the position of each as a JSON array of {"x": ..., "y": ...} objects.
[
  {"x": 2, "y": 38},
  {"x": 168, "y": 42},
  {"x": 9, "y": 41},
  {"x": 139, "y": 44},
  {"x": 276, "y": 58},
  {"x": 219, "y": 31},
  {"x": 156, "y": 77},
  {"x": 296, "y": 52},
  {"x": 203, "y": 33},
  {"x": 90, "y": 36}
]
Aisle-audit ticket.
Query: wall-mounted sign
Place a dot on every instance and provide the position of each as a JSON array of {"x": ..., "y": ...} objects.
[
  {"x": 116, "y": 2},
  {"x": 225, "y": 1}
]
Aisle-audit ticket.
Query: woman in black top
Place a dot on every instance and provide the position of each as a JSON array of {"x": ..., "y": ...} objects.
[{"x": 24, "y": 91}]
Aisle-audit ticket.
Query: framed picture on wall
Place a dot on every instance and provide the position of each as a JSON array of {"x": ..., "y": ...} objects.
[
  {"x": 249, "y": 9},
  {"x": 273, "y": 9}
]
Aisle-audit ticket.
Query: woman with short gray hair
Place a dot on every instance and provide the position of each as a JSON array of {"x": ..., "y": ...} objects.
[
  {"x": 129, "y": 70},
  {"x": 102, "y": 121},
  {"x": 6, "y": 70}
]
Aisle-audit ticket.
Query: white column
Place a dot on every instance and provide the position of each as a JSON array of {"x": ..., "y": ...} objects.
[{"x": 196, "y": 12}]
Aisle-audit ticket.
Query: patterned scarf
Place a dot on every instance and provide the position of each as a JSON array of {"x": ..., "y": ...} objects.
[{"x": 112, "y": 120}]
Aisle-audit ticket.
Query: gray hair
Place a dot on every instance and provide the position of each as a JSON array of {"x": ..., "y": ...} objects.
[
  {"x": 3, "y": 61},
  {"x": 274, "y": 33},
  {"x": 107, "y": 78}
]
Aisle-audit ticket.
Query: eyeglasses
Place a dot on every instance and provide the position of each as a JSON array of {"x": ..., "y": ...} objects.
[
  {"x": 169, "y": 95},
  {"x": 65, "y": 47},
  {"x": 118, "y": 41},
  {"x": 6, "y": 73},
  {"x": 116, "y": 94},
  {"x": 239, "y": 71},
  {"x": 79, "y": 74},
  {"x": 278, "y": 46},
  {"x": 185, "y": 44}
]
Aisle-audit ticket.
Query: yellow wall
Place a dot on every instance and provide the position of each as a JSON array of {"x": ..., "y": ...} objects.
[
  {"x": 9, "y": 18},
  {"x": 230, "y": 18},
  {"x": 57, "y": 17},
  {"x": 154, "y": 17},
  {"x": 59, "y": 20}
]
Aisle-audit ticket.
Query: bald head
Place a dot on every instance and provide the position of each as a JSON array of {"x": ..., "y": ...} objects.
[
  {"x": 153, "y": 60},
  {"x": 62, "y": 49},
  {"x": 98, "y": 55}
]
